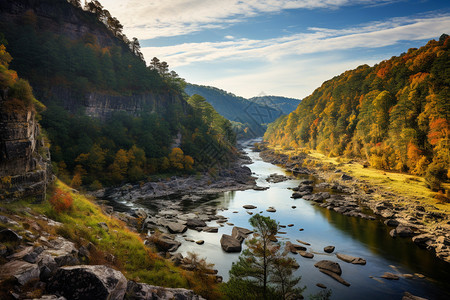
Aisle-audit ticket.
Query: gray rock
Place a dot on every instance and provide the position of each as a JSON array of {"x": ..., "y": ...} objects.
[
  {"x": 293, "y": 248},
  {"x": 193, "y": 223},
  {"x": 103, "y": 225},
  {"x": 329, "y": 249},
  {"x": 142, "y": 291},
  {"x": 401, "y": 231},
  {"x": 62, "y": 251},
  {"x": 318, "y": 197},
  {"x": 50, "y": 297},
  {"x": 390, "y": 276},
  {"x": 89, "y": 282},
  {"x": 304, "y": 243},
  {"x": 210, "y": 229},
  {"x": 177, "y": 259},
  {"x": 230, "y": 244},
  {"x": 165, "y": 242},
  {"x": 240, "y": 233},
  {"x": 176, "y": 227},
  {"x": 8, "y": 235},
  {"x": 346, "y": 177},
  {"x": 305, "y": 182},
  {"x": 422, "y": 239},
  {"x": 33, "y": 255},
  {"x": 409, "y": 296},
  {"x": 249, "y": 206},
  {"x": 22, "y": 271},
  {"x": 21, "y": 253},
  {"x": 45, "y": 274},
  {"x": 334, "y": 276},
  {"x": 329, "y": 265},
  {"x": 391, "y": 222},
  {"x": 351, "y": 259},
  {"x": 305, "y": 254}
]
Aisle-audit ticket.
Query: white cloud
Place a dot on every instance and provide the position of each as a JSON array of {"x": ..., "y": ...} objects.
[
  {"x": 294, "y": 78},
  {"x": 318, "y": 40},
  {"x": 289, "y": 65},
  {"x": 163, "y": 18}
]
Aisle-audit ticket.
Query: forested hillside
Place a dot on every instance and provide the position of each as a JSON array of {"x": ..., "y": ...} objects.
[
  {"x": 396, "y": 114},
  {"x": 284, "y": 104},
  {"x": 248, "y": 116},
  {"x": 110, "y": 118}
]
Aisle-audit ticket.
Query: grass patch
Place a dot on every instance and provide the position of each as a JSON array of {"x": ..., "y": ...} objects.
[
  {"x": 412, "y": 187},
  {"x": 80, "y": 224}
]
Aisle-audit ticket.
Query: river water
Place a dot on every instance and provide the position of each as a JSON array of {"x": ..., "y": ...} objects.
[{"x": 368, "y": 239}]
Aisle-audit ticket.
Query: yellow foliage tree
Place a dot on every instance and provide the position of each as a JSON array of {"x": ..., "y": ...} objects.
[{"x": 176, "y": 158}]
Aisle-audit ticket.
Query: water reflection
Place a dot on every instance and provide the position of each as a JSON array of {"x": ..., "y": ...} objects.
[{"x": 353, "y": 236}]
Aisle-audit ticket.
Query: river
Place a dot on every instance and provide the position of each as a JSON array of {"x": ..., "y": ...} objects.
[{"x": 358, "y": 237}]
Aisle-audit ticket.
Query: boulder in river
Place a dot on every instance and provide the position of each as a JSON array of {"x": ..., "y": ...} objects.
[
  {"x": 293, "y": 248},
  {"x": 249, "y": 206},
  {"x": 390, "y": 276},
  {"x": 210, "y": 229},
  {"x": 305, "y": 254},
  {"x": 271, "y": 209},
  {"x": 240, "y": 233},
  {"x": 176, "y": 227},
  {"x": 334, "y": 276},
  {"x": 332, "y": 269},
  {"x": 409, "y": 296},
  {"x": 166, "y": 242},
  {"x": 193, "y": 223},
  {"x": 329, "y": 249},
  {"x": 351, "y": 259},
  {"x": 304, "y": 243},
  {"x": 230, "y": 244},
  {"x": 402, "y": 231},
  {"x": 422, "y": 239},
  {"x": 89, "y": 282},
  {"x": 329, "y": 265}
]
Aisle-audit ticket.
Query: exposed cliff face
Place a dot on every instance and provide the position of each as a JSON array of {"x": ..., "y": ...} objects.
[
  {"x": 58, "y": 17},
  {"x": 103, "y": 105},
  {"x": 24, "y": 158}
]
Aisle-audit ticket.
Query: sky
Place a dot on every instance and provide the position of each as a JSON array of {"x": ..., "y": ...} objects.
[{"x": 277, "y": 47}]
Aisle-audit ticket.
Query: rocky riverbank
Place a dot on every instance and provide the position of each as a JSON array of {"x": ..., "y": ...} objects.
[
  {"x": 194, "y": 188},
  {"x": 35, "y": 264},
  {"x": 335, "y": 190}
]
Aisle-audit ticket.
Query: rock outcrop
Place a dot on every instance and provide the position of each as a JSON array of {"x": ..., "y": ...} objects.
[
  {"x": 89, "y": 282},
  {"x": 24, "y": 156}
]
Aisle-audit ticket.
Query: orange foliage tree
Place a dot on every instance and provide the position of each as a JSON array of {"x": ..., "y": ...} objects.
[{"x": 61, "y": 201}]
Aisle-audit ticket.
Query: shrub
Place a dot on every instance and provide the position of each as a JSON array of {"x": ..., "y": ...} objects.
[{"x": 61, "y": 201}]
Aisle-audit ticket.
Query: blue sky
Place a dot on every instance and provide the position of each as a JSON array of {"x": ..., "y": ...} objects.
[{"x": 277, "y": 47}]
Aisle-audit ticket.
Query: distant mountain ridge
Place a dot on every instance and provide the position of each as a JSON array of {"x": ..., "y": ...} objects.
[
  {"x": 285, "y": 104},
  {"x": 249, "y": 116}
]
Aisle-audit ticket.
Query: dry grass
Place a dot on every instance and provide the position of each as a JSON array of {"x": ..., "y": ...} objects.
[{"x": 409, "y": 186}]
